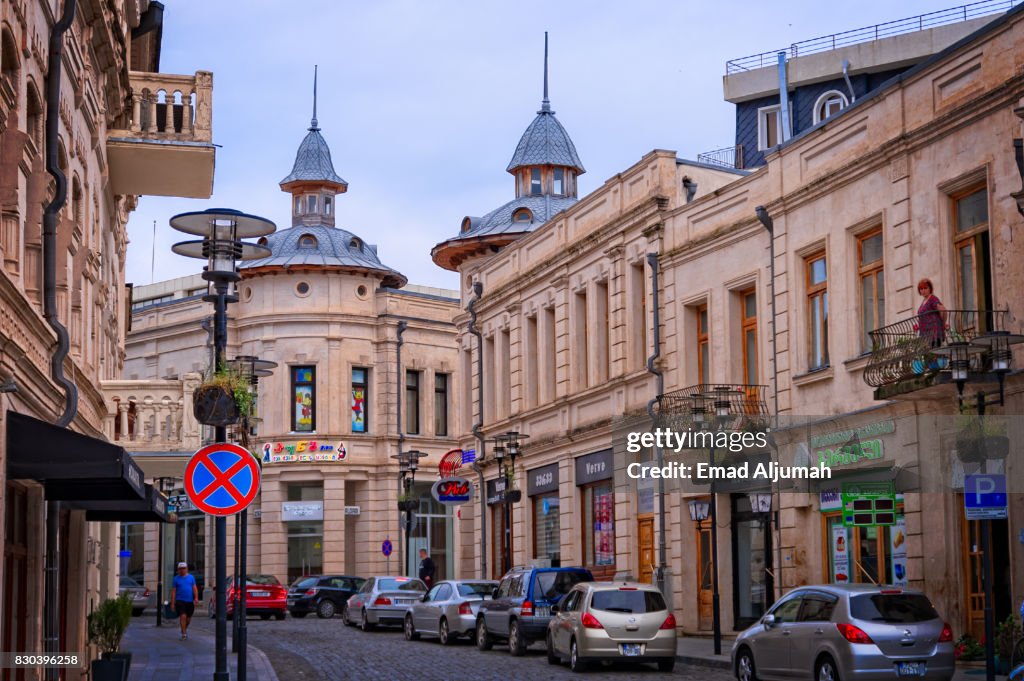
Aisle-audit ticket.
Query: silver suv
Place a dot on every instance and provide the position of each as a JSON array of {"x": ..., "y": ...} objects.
[{"x": 854, "y": 631}]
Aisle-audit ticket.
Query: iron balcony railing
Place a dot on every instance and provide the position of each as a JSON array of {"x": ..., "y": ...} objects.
[
  {"x": 913, "y": 348},
  {"x": 747, "y": 404},
  {"x": 920, "y": 22},
  {"x": 727, "y": 157}
]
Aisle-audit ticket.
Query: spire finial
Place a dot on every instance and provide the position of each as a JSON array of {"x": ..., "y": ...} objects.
[
  {"x": 313, "y": 124},
  {"x": 545, "y": 104}
]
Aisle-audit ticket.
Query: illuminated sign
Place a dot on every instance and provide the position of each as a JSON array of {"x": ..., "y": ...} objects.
[
  {"x": 303, "y": 451},
  {"x": 452, "y": 491}
]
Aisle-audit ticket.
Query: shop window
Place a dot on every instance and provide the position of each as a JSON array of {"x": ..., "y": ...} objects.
[
  {"x": 703, "y": 346},
  {"x": 748, "y": 322},
  {"x": 441, "y": 404},
  {"x": 360, "y": 400},
  {"x": 412, "y": 402},
  {"x": 133, "y": 550},
  {"x": 599, "y": 525},
  {"x": 547, "y": 528},
  {"x": 874, "y": 554},
  {"x": 971, "y": 242},
  {"x": 817, "y": 311},
  {"x": 871, "y": 272},
  {"x": 303, "y": 399}
]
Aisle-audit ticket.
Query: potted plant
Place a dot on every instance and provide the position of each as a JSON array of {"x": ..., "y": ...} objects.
[
  {"x": 223, "y": 398},
  {"x": 1007, "y": 633},
  {"x": 107, "y": 625},
  {"x": 408, "y": 502},
  {"x": 981, "y": 438}
]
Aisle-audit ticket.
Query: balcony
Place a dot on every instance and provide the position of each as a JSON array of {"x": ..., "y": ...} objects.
[
  {"x": 726, "y": 157},
  {"x": 165, "y": 148},
  {"x": 744, "y": 404},
  {"x": 152, "y": 415},
  {"x": 915, "y": 353}
]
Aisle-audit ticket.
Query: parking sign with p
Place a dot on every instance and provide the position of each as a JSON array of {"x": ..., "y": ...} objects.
[{"x": 985, "y": 497}]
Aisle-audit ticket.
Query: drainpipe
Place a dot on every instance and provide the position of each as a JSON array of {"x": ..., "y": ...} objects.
[
  {"x": 659, "y": 573},
  {"x": 51, "y": 623},
  {"x": 785, "y": 130},
  {"x": 402, "y": 326},
  {"x": 478, "y": 292},
  {"x": 846, "y": 77}
]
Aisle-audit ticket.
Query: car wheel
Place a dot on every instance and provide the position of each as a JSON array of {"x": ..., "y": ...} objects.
[
  {"x": 826, "y": 670},
  {"x": 364, "y": 623},
  {"x": 575, "y": 663},
  {"x": 443, "y": 634},
  {"x": 264, "y": 617},
  {"x": 483, "y": 639},
  {"x": 325, "y": 609},
  {"x": 410, "y": 629},
  {"x": 552, "y": 655},
  {"x": 745, "y": 670},
  {"x": 137, "y": 612},
  {"x": 299, "y": 615},
  {"x": 667, "y": 665},
  {"x": 516, "y": 640}
]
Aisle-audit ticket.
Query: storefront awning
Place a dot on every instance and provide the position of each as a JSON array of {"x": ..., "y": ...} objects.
[
  {"x": 71, "y": 466},
  {"x": 152, "y": 509}
]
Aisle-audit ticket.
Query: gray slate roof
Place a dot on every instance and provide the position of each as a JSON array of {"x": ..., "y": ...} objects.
[
  {"x": 545, "y": 142},
  {"x": 335, "y": 247},
  {"x": 499, "y": 221},
  {"x": 313, "y": 161}
]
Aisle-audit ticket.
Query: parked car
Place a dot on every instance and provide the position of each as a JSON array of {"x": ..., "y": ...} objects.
[
  {"x": 382, "y": 600},
  {"x": 323, "y": 594},
  {"x": 448, "y": 610},
  {"x": 521, "y": 605},
  {"x": 142, "y": 597},
  {"x": 612, "y": 621},
  {"x": 845, "y": 631},
  {"x": 264, "y": 596}
]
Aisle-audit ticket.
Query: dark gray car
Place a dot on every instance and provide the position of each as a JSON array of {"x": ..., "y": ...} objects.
[
  {"x": 856, "y": 631},
  {"x": 142, "y": 597}
]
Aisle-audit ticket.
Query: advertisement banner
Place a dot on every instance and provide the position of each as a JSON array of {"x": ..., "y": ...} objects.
[
  {"x": 898, "y": 551},
  {"x": 840, "y": 555}
]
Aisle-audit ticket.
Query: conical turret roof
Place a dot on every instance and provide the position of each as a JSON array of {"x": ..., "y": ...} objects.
[{"x": 546, "y": 142}]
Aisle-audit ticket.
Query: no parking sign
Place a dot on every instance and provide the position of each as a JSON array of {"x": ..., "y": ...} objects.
[{"x": 222, "y": 479}]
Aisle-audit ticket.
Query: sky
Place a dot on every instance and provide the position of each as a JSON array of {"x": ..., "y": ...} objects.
[{"x": 423, "y": 103}]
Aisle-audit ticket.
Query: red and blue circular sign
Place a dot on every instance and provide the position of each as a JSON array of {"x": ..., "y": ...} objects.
[
  {"x": 222, "y": 479},
  {"x": 386, "y": 547}
]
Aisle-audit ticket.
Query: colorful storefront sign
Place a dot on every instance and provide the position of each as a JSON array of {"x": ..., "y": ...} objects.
[
  {"x": 848, "y": 447},
  {"x": 840, "y": 546},
  {"x": 452, "y": 491},
  {"x": 898, "y": 551},
  {"x": 303, "y": 451}
]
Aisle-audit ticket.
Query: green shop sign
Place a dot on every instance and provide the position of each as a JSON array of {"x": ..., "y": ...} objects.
[
  {"x": 869, "y": 503},
  {"x": 835, "y": 449}
]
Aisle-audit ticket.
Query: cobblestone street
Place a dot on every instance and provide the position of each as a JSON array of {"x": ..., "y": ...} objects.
[{"x": 314, "y": 649}]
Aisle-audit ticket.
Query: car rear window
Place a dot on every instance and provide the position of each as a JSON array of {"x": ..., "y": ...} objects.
[
  {"x": 264, "y": 580},
  {"x": 553, "y": 585},
  {"x": 400, "y": 585},
  {"x": 633, "y": 601},
  {"x": 480, "y": 589},
  {"x": 304, "y": 582},
  {"x": 897, "y": 608}
]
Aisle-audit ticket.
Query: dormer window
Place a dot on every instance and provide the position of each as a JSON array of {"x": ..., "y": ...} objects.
[
  {"x": 355, "y": 244},
  {"x": 829, "y": 104},
  {"x": 311, "y": 204},
  {"x": 559, "y": 184},
  {"x": 522, "y": 215},
  {"x": 327, "y": 205},
  {"x": 466, "y": 224},
  {"x": 298, "y": 205},
  {"x": 535, "y": 184},
  {"x": 307, "y": 241}
]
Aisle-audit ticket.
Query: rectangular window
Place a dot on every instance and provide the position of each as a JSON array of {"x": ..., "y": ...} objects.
[
  {"x": 412, "y": 402},
  {"x": 748, "y": 307},
  {"x": 531, "y": 358},
  {"x": 310, "y": 204},
  {"x": 703, "y": 345},
  {"x": 559, "y": 186},
  {"x": 602, "y": 352},
  {"x": 440, "y": 404},
  {"x": 581, "y": 359},
  {"x": 303, "y": 399},
  {"x": 550, "y": 350},
  {"x": 971, "y": 241},
  {"x": 599, "y": 524},
  {"x": 360, "y": 400},
  {"x": 638, "y": 314},
  {"x": 535, "y": 186},
  {"x": 547, "y": 528},
  {"x": 505, "y": 375},
  {"x": 817, "y": 310},
  {"x": 872, "y": 285},
  {"x": 489, "y": 372},
  {"x": 768, "y": 131},
  {"x": 298, "y": 205},
  {"x": 469, "y": 379},
  {"x": 327, "y": 205}
]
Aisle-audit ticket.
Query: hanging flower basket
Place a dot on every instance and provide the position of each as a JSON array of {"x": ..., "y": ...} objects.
[
  {"x": 214, "y": 405},
  {"x": 408, "y": 504}
]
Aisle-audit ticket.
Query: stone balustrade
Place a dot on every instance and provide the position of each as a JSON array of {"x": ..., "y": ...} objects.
[
  {"x": 171, "y": 107},
  {"x": 152, "y": 415}
]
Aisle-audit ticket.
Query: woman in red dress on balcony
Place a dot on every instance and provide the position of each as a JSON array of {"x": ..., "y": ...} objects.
[{"x": 931, "y": 315}]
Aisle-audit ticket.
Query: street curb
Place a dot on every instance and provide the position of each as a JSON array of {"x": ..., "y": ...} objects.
[
  {"x": 704, "y": 662},
  {"x": 262, "y": 663}
]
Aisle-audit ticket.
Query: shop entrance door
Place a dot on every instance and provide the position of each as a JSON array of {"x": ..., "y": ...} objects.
[
  {"x": 305, "y": 549},
  {"x": 704, "y": 586},
  {"x": 645, "y": 548},
  {"x": 973, "y": 558}
]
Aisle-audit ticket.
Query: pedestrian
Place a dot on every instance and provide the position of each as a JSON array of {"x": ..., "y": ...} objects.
[
  {"x": 426, "y": 568},
  {"x": 931, "y": 315},
  {"x": 184, "y": 597}
]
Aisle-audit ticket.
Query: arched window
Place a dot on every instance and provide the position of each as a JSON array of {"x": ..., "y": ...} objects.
[
  {"x": 307, "y": 241},
  {"x": 355, "y": 244},
  {"x": 522, "y": 215},
  {"x": 9, "y": 63},
  {"x": 829, "y": 104},
  {"x": 34, "y": 112},
  {"x": 467, "y": 224}
]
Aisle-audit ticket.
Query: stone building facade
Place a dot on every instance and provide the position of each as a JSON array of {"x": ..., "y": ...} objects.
[{"x": 112, "y": 110}]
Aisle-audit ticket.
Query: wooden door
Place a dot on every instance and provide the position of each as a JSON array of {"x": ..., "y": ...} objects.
[
  {"x": 704, "y": 577},
  {"x": 974, "y": 590},
  {"x": 645, "y": 548}
]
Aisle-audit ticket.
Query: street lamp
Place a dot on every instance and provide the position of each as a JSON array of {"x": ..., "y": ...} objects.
[
  {"x": 699, "y": 510},
  {"x": 222, "y": 230},
  {"x": 508, "y": 445},
  {"x": 165, "y": 485},
  {"x": 408, "y": 464}
]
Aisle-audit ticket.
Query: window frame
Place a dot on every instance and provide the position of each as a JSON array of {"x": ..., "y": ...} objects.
[
  {"x": 762, "y": 131},
  {"x": 813, "y": 292},
  {"x": 870, "y": 270},
  {"x": 703, "y": 345},
  {"x": 441, "y": 403},
  {"x": 982, "y": 299},
  {"x": 748, "y": 325},
  {"x": 536, "y": 182},
  {"x": 823, "y": 99},
  {"x": 295, "y": 385},
  {"x": 413, "y": 394},
  {"x": 365, "y": 385}
]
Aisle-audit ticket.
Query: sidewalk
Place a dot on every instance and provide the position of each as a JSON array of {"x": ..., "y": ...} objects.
[
  {"x": 158, "y": 655},
  {"x": 697, "y": 650}
]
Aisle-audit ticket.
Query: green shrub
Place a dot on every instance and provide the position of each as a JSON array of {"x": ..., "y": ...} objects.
[{"x": 109, "y": 621}]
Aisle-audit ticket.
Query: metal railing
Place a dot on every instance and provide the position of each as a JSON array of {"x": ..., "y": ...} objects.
[
  {"x": 727, "y": 157},
  {"x": 912, "y": 348},
  {"x": 870, "y": 33},
  {"x": 747, "y": 402}
]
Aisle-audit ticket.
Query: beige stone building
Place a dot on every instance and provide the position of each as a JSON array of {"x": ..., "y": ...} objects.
[
  {"x": 333, "y": 317},
  {"x": 120, "y": 129}
]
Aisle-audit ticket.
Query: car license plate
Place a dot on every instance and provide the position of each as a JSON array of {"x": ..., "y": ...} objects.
[
  {"x": 543, "y": 611},
  {"x": 259, "y": 594},
  {"x": 402, "y": 601},
  {"x": 631, "y": 649},
  {"x": 910, "y": 669}
]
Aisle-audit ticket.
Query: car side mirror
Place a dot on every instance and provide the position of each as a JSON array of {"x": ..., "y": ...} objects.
[
  {"x": 426, "y": 597},
  {"x": 768, "y": 620},
  {"x": 554, "y": 608}
]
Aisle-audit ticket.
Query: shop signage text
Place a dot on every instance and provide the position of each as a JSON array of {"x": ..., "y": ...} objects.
[
  {"x": 863, "y": 432},
  {"x": 452, "y": 491},
  {"x": 542, "y": 480},
  {"x": 850, "y": 454},
  {"x": 302, "y": 510},
  {"x": 303, "y": 451},
  {"x": 595, "y": 467},
  {"x": 352, "y": 510}
]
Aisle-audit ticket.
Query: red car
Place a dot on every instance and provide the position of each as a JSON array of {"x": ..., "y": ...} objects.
[{"x": 264, "y": 596}]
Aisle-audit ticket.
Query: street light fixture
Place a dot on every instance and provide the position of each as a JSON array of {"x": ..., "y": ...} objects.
[
  {"x": 699, "y": 510},
  {"x": 508, "y": 445},
  {"x": 222, "y": 230},
  {"x": 408, "y": 464}
]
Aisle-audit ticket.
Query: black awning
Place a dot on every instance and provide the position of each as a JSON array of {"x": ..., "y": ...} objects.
[
  {"x": 71, "y": 466},
  {"x": 152, "y": 509}
]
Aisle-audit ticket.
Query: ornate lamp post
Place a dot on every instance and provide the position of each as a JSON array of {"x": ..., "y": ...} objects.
[
  {"x": 221, "y": 246},
  {"x": 505, "y": 446},
  {"x": 408, "y": 464}
]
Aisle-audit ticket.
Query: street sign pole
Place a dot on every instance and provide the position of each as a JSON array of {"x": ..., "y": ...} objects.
[
  {"x": 220, "y": 342},
  {"x": 240, "y": 613}
]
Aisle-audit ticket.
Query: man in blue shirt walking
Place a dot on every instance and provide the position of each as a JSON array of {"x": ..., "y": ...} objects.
[{"x": 184, "y": 597}]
